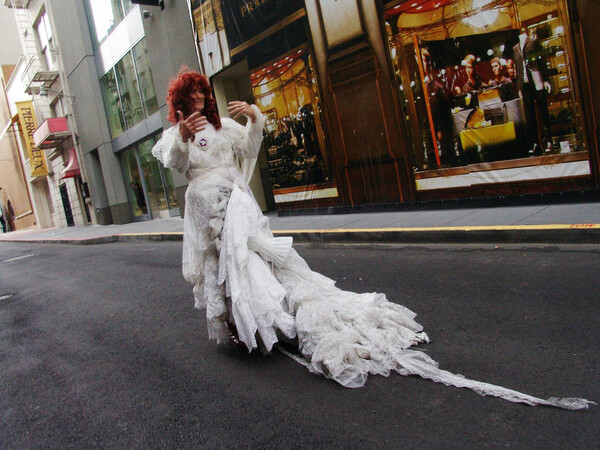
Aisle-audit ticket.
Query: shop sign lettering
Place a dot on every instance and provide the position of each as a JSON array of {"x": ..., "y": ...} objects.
[
  {"x": 245, "y": 19},
  {"x": 37, "y": 159},
  {"x": 250, "y": 7}
]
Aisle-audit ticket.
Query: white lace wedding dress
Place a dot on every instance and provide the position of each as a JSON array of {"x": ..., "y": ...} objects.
[{"x": 244, "y": 275}]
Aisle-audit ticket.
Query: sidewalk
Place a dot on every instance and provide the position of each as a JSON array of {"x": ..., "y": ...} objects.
[{"x": 554, "y": 223}]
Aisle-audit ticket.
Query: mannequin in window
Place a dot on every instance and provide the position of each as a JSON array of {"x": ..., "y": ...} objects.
[
  {"x": 532, "y": 85},
  {"x": 440, "y": 112}
]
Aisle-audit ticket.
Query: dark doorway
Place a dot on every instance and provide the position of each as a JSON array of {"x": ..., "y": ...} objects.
[{"x": 66, "y": 205}]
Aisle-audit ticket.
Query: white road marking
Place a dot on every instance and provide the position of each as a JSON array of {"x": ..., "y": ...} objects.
[{"x": 17, "y": 258}]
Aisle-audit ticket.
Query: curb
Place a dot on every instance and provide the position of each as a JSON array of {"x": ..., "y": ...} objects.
[
  {"x": 545, "y": 234},
  {"x": 574, "y": 236}
]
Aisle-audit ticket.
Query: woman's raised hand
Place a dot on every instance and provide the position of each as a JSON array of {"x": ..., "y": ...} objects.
[
  {"x": 238, "y": 108},
  {"x": 189, "y": 127}
]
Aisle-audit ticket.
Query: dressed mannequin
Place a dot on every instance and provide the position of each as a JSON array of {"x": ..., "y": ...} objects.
[
  {"x": 533, "y": 86},
  {"x": 441, "y": 113}
]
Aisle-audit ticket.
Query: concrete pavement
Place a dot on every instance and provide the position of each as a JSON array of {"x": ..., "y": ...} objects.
[{"x": 577, "y": 222}]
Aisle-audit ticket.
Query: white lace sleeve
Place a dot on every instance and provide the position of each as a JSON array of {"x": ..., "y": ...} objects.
[
  {"x": 245, "y": 141},
  {"x": 171, "y": 151}
]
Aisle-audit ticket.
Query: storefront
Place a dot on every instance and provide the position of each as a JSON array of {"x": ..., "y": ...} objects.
[
  {"x": 150, "y": 187},
  {"x": 371, "y": 102},
  {"x": 490, "y": 96},
  {"x": 271, "y": 38}
]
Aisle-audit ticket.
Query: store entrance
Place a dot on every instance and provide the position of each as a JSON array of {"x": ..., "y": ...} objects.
[
  {"x": 149, "y": 186},
  {"x": 232, "y": 84}
]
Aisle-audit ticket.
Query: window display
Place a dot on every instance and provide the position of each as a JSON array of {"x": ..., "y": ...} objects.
[
  {"x": 486, "y": 82},
  {"x": 285, "y": 91}
]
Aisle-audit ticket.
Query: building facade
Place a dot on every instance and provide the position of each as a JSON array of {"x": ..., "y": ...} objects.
[
  {"x": 99, "y": 90},
  {"x": 16, "y": 207},
  {"x": 368, "y": 102},
  {"x": 379, "y": 102},
  {"x": 41, "y": 111}
]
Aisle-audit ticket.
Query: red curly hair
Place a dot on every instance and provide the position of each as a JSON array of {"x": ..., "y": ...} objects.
[{"x": 178, "y": 97}]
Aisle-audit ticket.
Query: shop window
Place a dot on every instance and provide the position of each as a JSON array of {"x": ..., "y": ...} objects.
[
  {"x": 107, "y": 14},
  {"x": 286, "y": 93},
  {"x": 486, "y": 85}
]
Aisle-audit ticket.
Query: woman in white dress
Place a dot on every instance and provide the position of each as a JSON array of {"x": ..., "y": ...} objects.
[{"x": 256, "y": 285}]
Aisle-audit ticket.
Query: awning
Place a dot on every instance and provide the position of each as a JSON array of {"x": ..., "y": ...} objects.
[
  {"x": 51, "y": 133},
  {"x": 72, "y": 168}
]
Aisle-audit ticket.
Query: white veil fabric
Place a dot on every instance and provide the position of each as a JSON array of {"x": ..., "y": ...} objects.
[
  {"x": 342, "y": 335},
  {"x": 244, "y": 275}
]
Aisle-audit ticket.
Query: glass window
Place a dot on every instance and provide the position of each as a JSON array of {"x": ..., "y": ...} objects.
[
  {"x": 44, "y": 33},
  {"x": 286, "y": 93},
  {"x": 127, "y": 6},
  {"x": 129, "y": 91},
  {"x": 112, "y": 101},
  {"x": 106, "y": 15},
  {"x": 486, "y": 86},
  {"x": 135, "y": 185},
  {"x": 152, "y": 176},
  {"x": 148, "y": 182},
  {"x": 211, "y": 37},
  {"x": 144, "y": 73},
  {"x": 57, "y": 108}
]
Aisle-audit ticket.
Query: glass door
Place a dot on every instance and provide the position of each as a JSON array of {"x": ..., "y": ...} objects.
[
  {"x": 154, "y": 184},
  {"x": 135, "y": 185},
  {"x": 150, "y": 186}
]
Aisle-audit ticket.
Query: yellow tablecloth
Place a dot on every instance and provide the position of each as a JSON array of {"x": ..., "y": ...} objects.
[{"x": 493, "y": 135}]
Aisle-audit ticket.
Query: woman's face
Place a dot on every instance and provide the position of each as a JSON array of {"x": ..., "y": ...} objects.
[{"x": 197, "y": 101}]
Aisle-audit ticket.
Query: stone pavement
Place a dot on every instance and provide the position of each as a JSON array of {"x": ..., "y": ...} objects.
[{"x": 546, "y": 223}]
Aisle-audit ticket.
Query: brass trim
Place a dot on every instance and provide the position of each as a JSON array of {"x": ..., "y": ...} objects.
[
  {"x": 268, "y": 32},
  {"x": 506, "y": 164}
]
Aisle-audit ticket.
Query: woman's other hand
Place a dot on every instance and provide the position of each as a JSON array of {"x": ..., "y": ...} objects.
[
  {"x": 238, "y": 108},
  {"x": 193, "y": 124}
]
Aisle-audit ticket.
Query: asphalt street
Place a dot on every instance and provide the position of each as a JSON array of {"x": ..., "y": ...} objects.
[{"x": 100, "y": 347}]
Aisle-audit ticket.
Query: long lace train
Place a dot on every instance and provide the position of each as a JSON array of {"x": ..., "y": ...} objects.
[{"x": 342, "y": 335}]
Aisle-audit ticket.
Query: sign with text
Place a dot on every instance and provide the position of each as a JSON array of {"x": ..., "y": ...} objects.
[
  {"x": 245, "y": 19},
  {"x": 37, "y": 159}
]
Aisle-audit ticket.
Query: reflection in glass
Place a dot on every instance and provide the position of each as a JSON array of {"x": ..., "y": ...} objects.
[
  {"x": 106, "y": 15},
  {"x": 128, "y": 88},
  {"x": 148, "y": 182},
  {"x": 112, "y": 100},
  {"x": 44, "y": 33},
  {"x": 154, "y": 183},
  {"x": 168, "y": 182},
  {"x": 135, "y": 189},
  {"x": 485, "y": 86},
  {"x": 144, "y": 73},
  {"x": 285, "y": 91}
]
